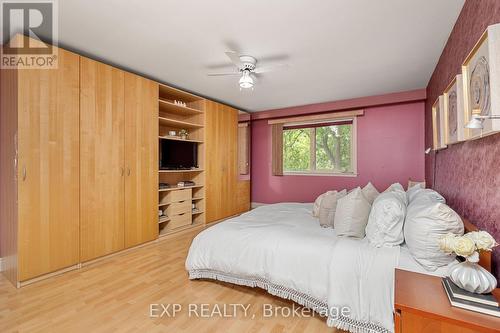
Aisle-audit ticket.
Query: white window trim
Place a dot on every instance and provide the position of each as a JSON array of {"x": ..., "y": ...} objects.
[{"x": 354, "y": 152}]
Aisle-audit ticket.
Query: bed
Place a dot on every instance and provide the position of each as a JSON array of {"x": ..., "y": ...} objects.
[{"x": 282, "y": 249}]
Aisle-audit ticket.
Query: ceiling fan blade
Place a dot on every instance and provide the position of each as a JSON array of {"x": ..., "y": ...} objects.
[
  {"x": 225, "y": 74},
  {"x": 235, "y": 58},
  {"x": 272, "y": 68}
]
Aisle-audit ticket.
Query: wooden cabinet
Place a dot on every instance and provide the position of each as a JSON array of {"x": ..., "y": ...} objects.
[
  {"x": 40, "y": 163},
  {"x": 119, "y": 153},
  {"x": 102, "y": 159},
  {"x": 421, "y": 306},
  {"x": 141, "y": 160},
  {"x": 222, "y": 162}
]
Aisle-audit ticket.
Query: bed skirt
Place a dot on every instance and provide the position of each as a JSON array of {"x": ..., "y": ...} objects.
[{"x": 340, "y": 322}]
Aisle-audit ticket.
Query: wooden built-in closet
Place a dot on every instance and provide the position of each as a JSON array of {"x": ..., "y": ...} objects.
[{"x": 79, "y": 167}]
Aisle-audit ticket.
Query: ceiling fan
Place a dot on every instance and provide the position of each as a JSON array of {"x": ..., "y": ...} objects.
[{"x": 246, "y": 67}]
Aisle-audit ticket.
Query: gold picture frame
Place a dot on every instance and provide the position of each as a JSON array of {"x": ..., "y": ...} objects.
[
  {"x": 481, "y": 79},
  {"x": 454, "y": 112},
  {"x": 438, "y": 124}
]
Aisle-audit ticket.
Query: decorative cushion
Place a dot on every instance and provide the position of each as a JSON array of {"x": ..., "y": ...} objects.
[
  {"x": 412, "y": 183},
  {"x": 317, "y": 203},
  {"x": 395, "y": 187},
  {"x": 413, "y": 190},
  {"x": 386, "y": 221},
  {"x": 370, "y": 192},
  {"x": 426, "y": 193},
  {"x": 428, "y": 219},
  {"x": 352, "y": 214},
  {"x": 328, "y": 208}
]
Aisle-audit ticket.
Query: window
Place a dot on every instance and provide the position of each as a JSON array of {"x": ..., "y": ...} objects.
[{"x": 320, "y": 148}]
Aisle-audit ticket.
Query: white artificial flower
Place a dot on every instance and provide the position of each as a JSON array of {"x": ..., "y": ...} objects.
[
  {"x": 482, "y": 239},
  {"x": 473, "y": 257},
  {"x": 464, "y": 246},
  {"x": 447, "y": 243}
]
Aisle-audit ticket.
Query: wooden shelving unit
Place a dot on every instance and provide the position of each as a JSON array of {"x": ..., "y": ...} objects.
[
  {"x": 169, "y": 107},
  {"x": 173, "y": 188},
  {"x": 174, "y": 138},
  {"x": 173, "y": 117},
  {"x": 180, "y": 171}
]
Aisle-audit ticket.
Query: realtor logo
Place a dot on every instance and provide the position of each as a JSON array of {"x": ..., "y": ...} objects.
[{"x": 29, "y": 34}]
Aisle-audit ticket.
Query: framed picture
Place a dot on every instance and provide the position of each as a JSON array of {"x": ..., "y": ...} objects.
[
  {"x": 438, "y": 124},
  {"x": 454, "y": 112},
  {"x": 481, "y": 79}
]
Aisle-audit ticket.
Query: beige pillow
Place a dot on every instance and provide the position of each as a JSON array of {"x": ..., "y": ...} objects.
[
  {"x": 351, "y": 215},
  {"x": 370, "y": 193},
  {"x": 327, "y": 209},
  {"x": 317, "y": 203}
]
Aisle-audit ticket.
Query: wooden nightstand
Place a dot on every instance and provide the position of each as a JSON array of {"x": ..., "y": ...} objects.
[{"x": 421, "y": 305}]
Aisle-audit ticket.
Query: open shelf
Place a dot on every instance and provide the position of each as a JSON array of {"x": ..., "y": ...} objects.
[
  {"x": 175, "y": 138},
  {"x": 173, "y": 188},
  {"x": 163, "y": 219},
  {"x": 176, "y": 117},
  {"x": 174, "y": 93},
  {"x": 166, "y": 232},
  {"x": 180, "y": 171},
  {"x": 169, "y": 107},
  {"x": 178, "y": 123}
]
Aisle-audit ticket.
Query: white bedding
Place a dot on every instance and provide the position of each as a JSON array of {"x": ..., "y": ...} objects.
[{"x": 282, "y": 249}]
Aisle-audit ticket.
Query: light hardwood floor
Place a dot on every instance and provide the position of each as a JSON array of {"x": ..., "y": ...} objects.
[{"x": 114, "y": 295}]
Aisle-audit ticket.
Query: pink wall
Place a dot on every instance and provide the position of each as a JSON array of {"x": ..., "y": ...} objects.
[
  {"x": 467, "y": 174},
  {"x": 390, "y": 149}
]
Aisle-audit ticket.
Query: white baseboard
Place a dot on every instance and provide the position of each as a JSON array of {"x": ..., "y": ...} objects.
[{"x": 257, "y": 204}]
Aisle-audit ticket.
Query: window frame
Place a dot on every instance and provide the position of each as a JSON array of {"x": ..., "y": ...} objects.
[{"x": 331, "y": 173}]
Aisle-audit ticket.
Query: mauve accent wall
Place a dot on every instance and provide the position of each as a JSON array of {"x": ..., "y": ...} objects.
[
  {"x": 467, "y": 174},
  {"x": 390, "y": 149}
]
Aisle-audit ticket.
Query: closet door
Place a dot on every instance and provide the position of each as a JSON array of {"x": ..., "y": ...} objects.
[
  {"x": 102, "y": 159},
  {"x": 229, "y": 139},
  {"x": 222, "y": 160},
  {"x": 141, "y": 160},
  {"x": 48, "y": 167}
]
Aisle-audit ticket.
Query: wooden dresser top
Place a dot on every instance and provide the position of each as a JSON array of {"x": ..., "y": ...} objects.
[{"x": 424, "y": 295}]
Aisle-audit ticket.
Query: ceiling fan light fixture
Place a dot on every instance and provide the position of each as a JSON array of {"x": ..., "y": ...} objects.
[{"x": 246, "y": 80}]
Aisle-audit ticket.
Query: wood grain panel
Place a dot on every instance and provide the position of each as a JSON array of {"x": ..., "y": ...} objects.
[
  {"x": 141, "y": 160},
  {"x": 212, "y": 168},
  {"x": 243, "y": 196},
  {"x": 8, "y": 172},
  {"x": 221, "y": 160},
  {"x": 102, "y": 159},
  {"x": 48, "y": 170}
]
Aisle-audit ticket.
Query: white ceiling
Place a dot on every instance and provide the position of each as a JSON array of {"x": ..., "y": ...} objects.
[{"x": 336, "y": 49}]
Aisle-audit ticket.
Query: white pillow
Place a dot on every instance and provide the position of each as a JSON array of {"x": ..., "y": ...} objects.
[
  {"x": 385, "y": 224},
  {"x": 426, "y": 221},
  {"x": 328, "y": 208},
  {"x": 370, "y": 193},
  {"x": 317, "y": 203},
  {"x": 426, "y": 194},
  {"x": 352, "y": 214},
  {"x": 412, "y": 191},
  {"x": 395, "y": 187}
]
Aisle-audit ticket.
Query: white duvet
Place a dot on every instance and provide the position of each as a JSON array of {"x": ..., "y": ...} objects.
[{"x": 282, "y": 249}]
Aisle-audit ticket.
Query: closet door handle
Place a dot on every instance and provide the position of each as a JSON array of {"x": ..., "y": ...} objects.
[
  {"x": 123, "y": 171},
  {"x": 128, "y": 172},
  {"x": 24, "y": 173}
]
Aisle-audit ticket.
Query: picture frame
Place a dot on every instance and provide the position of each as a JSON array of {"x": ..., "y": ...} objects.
[
  {"x": 438, "y": 124},
  {"x": 454, "y": 112},
  {"x": 480, "y": 75}
]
